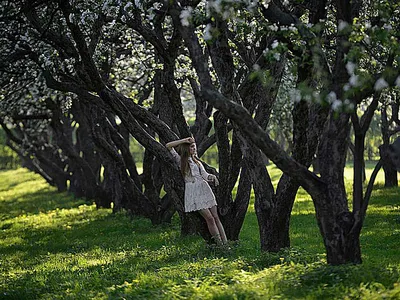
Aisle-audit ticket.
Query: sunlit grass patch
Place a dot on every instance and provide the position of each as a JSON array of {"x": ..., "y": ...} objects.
[{"x": 53, "y": 246}]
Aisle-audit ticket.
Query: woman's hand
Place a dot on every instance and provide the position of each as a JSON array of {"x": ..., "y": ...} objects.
[
  {"x": 214, "y": 179},
  {"x": 189, "y": 140}
]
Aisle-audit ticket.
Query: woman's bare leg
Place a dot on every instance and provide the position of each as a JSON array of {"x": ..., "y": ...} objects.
[
  {"x": 221, "y": 229},
  {"x": 212, "y": 226}
]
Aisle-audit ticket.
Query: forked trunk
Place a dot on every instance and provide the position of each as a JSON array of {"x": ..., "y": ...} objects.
[
  {"x": 339, "y": 229},
  {"x": 342, "y": 242}
]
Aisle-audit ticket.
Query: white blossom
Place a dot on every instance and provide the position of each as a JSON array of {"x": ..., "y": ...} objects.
[
  {"x": 152, "y": 14},
  {"x": 336, "y": 105},
  {"x": 252, "y": 5},
  {"x": 106, "y": 5},
  {"x": 295, "y": 95},
  {"x": 285, "y": 2},
  {"x": 342, "y": 25},
  {"x": 316, "y": 96},
  {"x": 277, "y": 56},
  {"x": 128, "y": 5},
  {"x": 274, "y": 44},
  {"x": 256, "y": 67},
  {"x": 331, "y": 97},
  {"x": 207, "y": 32},
  {"x": 388, "y": 27},
  {"x": 186, "y": 15},
  {"x": 380, "y": 84},
  {"x": 266, "y": 3},
  {"x": 350, "y": 67},
  {"x": 228, "y": 13},
  {"x": 397, "y": 82},
  {"x": 273, "y": 27},
  {"x": 354, "y": 80},
  {"x": 138, "y": 3},
  {"x": 216, "y": 5}
]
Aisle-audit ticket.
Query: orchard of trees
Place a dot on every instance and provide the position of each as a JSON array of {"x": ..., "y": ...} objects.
[{"x": 81, "y": 78}]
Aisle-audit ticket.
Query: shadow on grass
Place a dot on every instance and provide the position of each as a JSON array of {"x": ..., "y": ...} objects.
[
  {"x": 83, "y": 253},
  {"x": 96, "y": 256},
  {"x": 335, "y": 282}
]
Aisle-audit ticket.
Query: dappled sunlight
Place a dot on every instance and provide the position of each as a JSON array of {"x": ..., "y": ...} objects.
[{"x": 78, "y": 251}]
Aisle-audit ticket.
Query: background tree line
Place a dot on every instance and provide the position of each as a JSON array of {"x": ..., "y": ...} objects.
[{"x": 79, "y": 79}]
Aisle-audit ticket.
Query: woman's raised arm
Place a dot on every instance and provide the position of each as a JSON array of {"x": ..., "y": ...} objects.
[{"x": 188, "y": 140}]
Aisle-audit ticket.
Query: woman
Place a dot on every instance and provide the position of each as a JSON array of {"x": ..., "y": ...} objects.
[{"x": 198, "y": 194}]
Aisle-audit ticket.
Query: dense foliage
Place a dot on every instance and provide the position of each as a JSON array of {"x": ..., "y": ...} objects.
[{"x": 78, "y": 78}]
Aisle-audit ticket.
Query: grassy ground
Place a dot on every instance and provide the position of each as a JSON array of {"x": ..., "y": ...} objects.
[{"x": 53, "y": 246}]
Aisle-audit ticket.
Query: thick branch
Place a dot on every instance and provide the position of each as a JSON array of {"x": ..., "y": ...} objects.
[{"x": 260, "y": 138}]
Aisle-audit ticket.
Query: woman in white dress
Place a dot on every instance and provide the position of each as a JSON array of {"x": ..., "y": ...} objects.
[{"x": 198, "y": 194}]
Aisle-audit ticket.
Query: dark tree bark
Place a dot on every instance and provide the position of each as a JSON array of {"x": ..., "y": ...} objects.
[{"x": 388, "y": 167}]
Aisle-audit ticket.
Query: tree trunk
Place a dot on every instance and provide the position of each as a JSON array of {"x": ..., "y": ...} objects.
[
  {"x": 341, "y": 237},
  {"x": 388, "y": 167}
]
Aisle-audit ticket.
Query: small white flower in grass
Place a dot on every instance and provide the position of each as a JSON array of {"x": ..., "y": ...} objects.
[
  {"x": 285, "y": 2},
  {"x": 346, "y": 87},
  {"x": 274, "y": 44},
  {"x": 138, "y": 3},
  {"x": 342, "y": 25},
  {"x": 350, "y": 67},
  {"x": 186, "y": 15},
  {"x": 397, "y": 82},
  {"x": 207, "y": 32},
  {"x": 380, "y": 84}
]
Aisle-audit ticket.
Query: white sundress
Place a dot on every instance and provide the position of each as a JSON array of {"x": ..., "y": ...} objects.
[{"x": 198, "y": 193}]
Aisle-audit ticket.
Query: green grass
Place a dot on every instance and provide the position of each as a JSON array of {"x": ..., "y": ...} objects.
[{"x": 53, "y": 246}]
